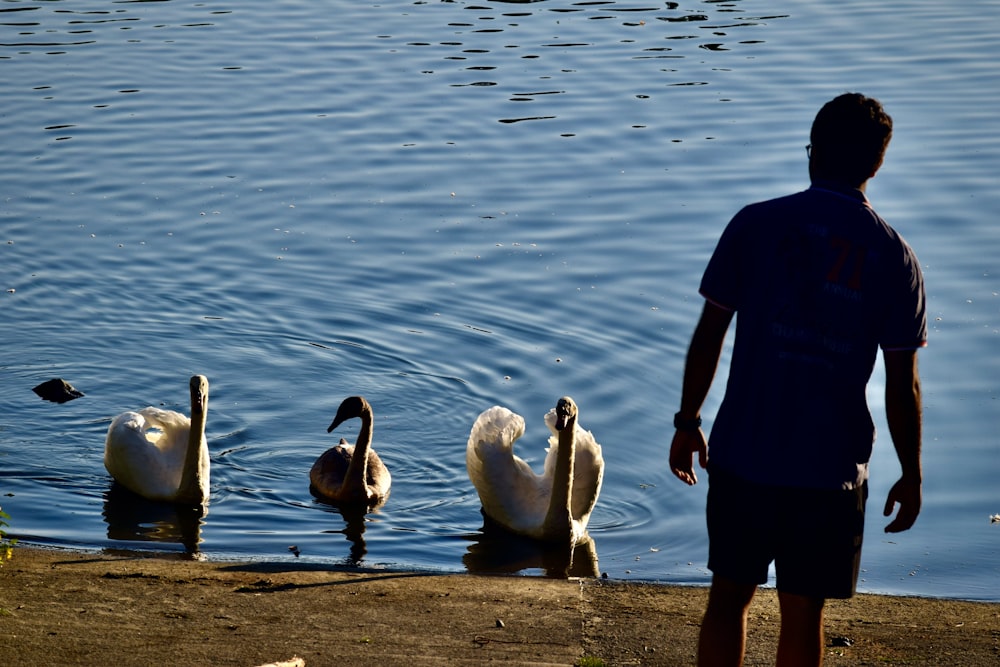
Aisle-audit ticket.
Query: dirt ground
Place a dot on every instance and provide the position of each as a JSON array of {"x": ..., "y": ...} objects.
[{"x": 69, "y": 608}]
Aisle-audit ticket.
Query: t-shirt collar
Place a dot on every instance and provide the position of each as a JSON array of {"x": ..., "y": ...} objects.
[{"x": 833, "y": 187}]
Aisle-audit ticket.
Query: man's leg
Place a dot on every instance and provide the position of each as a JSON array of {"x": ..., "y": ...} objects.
[
  {"x": 724, "y": 627},
  {"x": 801, "y": 640}
]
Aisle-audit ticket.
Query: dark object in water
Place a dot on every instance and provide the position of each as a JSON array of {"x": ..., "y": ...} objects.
[{"x": 57, "y": 390}]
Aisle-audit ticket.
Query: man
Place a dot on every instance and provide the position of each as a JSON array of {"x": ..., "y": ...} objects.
[{"x": 819, "y": 282}]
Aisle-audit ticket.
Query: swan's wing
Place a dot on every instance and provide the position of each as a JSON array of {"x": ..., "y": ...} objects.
[
  {"x": 136, "y": 460},
  {"x": 171, "y": 436},
  {"x": 588, "y": 467},
  {"x": 510, "y": 491},
  {"x": 588, "y": 474},
  {"x": 379, "y": 479},
  {"x": 328, "y": 472},
  {"x": 174, "y": 427}
]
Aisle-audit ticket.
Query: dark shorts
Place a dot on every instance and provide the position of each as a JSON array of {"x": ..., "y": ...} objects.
[{"x": 813, "y": 536}]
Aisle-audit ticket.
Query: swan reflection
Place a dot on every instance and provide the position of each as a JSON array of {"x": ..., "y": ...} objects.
[
  {"x": 354, "y": 529},
  {"x": 494, "y": 550},
  {"x": 130, "y": 517}
]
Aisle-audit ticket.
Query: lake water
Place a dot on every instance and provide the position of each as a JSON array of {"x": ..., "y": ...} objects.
[{"x": 445, "y": 206}]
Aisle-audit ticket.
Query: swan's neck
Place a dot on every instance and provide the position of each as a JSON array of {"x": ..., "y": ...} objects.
[
  {"x": 559, "y": 518},
  {"x": 192, "y": 482},
  {"x": 356, "y": 476}
]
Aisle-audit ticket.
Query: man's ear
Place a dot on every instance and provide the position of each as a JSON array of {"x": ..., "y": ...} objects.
[{"x": 877, "y": 166}]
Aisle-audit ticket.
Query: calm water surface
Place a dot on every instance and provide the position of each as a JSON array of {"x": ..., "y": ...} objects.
[{"x": 445, "y": 206}]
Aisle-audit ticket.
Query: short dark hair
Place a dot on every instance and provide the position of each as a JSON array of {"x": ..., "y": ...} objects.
[{"x": 849, "y": 137}]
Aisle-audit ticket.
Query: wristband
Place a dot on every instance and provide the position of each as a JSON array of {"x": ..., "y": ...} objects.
[{"x": 682, "y": 424}]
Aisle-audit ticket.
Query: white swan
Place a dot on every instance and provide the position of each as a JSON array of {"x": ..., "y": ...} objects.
[
  {"x": 161, "y": 454},
  {"x": 351, "y": 474},
  {"x": 553, "y": 506}
]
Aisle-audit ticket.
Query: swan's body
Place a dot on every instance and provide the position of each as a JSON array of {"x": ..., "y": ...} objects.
[
  {"x": 161, "y": 454},
  {"x": 351, "y": 474},
  {"x": 553, "y": 506}
]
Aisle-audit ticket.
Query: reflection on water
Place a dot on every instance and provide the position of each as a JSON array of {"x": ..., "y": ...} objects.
[
  {"x": 130, "y": 517},
  {"x": 494, "y": 550},
  {"x": 354, "y": 530},
  {"x": 447, "y": 206}
]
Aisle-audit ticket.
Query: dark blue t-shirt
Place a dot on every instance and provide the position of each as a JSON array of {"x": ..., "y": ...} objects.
[{"x": 818, "y": 282}]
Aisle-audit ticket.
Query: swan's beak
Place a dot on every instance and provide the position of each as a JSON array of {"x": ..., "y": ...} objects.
[
  {"x": 561, "y": 421},
  {"x": 564, "y": 420},
  {"x": 339, "y": 419},
  {"x": 199, "y": 390},
  {"x": 565, "y": 412}
]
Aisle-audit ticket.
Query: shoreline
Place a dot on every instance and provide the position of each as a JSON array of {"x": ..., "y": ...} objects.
[
  {"x": 84, "y": 608},
  {"x": 334, "y": 565}
]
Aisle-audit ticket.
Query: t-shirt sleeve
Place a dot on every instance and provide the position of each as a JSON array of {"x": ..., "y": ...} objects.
[
  {"x": 905, "y": 325},
  {"x": 721, "y": 282}
]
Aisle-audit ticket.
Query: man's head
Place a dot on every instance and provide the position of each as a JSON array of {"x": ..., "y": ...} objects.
[{"x": 848, "y": 138}]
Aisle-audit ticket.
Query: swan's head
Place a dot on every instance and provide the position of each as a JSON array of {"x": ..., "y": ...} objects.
[
  {"x": 199, "y": 392},
  {"x": 565, "y": 412},
  {"x": 351, "y": 407}
]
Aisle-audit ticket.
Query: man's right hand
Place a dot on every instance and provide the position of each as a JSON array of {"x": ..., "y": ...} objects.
[{"x": 682, "y": 450}]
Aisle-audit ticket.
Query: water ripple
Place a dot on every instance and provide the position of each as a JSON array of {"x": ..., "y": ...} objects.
[{"x": 443, "y": 207}]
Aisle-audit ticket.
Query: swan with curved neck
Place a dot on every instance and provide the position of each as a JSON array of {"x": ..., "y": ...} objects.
[
  {"x": 554, "y": 506},
  {"x": 161, "y": 454},
  {"x": 351, "y": 474}
]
